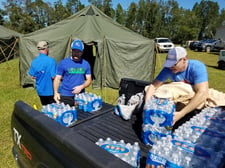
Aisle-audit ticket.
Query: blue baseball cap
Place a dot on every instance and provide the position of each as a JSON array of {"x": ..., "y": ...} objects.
[{"x": 77, "y": 44}]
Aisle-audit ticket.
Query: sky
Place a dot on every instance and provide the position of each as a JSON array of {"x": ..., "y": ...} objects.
[{"x": 186, "y": 4}]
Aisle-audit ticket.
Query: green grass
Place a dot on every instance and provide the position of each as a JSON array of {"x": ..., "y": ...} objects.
[{"x": 10, "y": 92}]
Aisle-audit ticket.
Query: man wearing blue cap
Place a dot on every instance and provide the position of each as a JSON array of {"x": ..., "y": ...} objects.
[
  {"x": 75, "y": 74},
  {"x": 178, "y": 68}
]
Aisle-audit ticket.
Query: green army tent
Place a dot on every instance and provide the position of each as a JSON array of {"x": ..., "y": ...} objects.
[
  {"x": 113, "y": 51},
  {"x": 8, "y": 44}
]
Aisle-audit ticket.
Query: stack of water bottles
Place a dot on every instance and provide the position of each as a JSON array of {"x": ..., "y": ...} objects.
[
  {"x": 64, "y": 114},
  {"x": 157, "y": 119},
  {"x": 199, "y": 142},
  {"x": 125, "y": 151},
  {"x": 88, "y": 102}
]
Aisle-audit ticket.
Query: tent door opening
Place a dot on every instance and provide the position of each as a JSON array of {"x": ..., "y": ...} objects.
[{"x": 90, "y": 53}]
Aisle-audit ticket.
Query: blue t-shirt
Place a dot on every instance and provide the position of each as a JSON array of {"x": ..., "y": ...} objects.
[
  {"x": 195, "y": 73},
  {"x": 43, "y": 68},
  {"x": 73, "y": 74}
]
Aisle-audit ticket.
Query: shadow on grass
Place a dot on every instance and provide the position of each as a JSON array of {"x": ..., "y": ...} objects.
[
  {"x": 215, "y": 67},
  {"x": 214, "y": 53}
]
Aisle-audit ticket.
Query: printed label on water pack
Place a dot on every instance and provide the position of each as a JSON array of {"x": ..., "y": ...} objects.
[
  {"x": 216, "y": 119},
  {"x": 160, "y": 112},
  {"x": 114, "y": 148},
  {"x": 189, "y": 147},
  {"x": 208, "y": 132},
  {"x": 67, "y": 117},
  {"x": 155, "y": 160},
  {"x": 150, "y": 137}
]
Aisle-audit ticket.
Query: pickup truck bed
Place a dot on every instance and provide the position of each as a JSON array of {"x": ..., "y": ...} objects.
[{"x": 40, "y": 141}]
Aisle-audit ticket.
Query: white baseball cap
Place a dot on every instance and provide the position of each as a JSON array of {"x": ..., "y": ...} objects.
[
  {"x": 42, "y": 45},
  {"x": 174, "y": 55}
]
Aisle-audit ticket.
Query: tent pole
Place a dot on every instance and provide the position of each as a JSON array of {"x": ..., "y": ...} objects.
[{"x": 12, "y": 49}]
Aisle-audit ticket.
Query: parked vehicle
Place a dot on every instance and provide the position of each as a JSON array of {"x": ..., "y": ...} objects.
[
  {"x": 221, "y": 62},
  {"x": 206, "y": 45},
  {"x": 163, "y": 44},
  {"x": 220, "y": 45},
  {"x": 193, "y": 44}
]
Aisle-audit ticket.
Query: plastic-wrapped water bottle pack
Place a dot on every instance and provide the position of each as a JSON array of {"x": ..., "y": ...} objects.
[
  {"x": 157, "y": 119},
  {"x": 88, "y": 102},
  {"x": 197, "y": 143},
  {"x": 125, "y": 151},
  {"x": 64, "y": 114}
]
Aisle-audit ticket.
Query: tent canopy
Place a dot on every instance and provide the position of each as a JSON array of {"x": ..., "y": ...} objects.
[
  {"x": 113, "y": 51},
  {"x": 6, "y": 33},
  {"x": 8, "y": 44}
]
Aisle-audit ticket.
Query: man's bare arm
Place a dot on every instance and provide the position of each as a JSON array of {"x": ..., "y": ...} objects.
[
  {"x": 86, "y": 83},
  {"x": 201, "y": 94},
  {"x": 56, "y": 84},
  {"x": 152, "y": 88}
]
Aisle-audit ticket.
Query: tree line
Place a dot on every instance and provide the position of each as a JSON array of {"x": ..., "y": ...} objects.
[{"x": 151, "y": 18}]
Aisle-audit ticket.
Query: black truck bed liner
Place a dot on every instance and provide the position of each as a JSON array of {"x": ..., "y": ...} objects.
[{"x": 110, "y": 125}]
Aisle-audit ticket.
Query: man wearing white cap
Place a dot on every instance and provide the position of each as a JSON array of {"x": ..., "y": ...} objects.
[
  {"x": 178, "y": 68},
  {"x": 75, "y": 73},
  {"x": 43, "y": 70}
]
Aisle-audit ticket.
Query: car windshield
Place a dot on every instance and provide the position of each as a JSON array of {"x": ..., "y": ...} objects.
[
  {"x": 212, "y": 41},
  {"x": 163, "y": 40}
]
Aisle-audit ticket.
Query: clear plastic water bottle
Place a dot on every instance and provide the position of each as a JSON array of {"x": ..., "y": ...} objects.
[{"x": 121, "y": 99}]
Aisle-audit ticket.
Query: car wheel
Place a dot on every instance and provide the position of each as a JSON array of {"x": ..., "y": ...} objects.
[
  {"x": 208, "y": 49},
  {"x": 221, "y": 65}
]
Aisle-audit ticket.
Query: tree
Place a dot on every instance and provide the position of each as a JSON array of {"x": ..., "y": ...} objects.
[
  {"x": 74, "y": 6},
  {"x": 2, "y": 14},
  {"x": 97, "y": 3},
  {"x": 107, "y": 8},
  {"x": 207, "y": 13},
  {"x": 153, "y": 19},
  {"x": 120, "y": 14},
  {"x": 131, "y": 17},
  {"x": 221, "y": 20},
  {"x": 58, "y": 13},
  {"x": 140, "y": 17},
  {"x": 19, "y": 19}
]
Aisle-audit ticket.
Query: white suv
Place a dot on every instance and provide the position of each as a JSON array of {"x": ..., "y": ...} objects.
[{"x": 163, "y": 44}]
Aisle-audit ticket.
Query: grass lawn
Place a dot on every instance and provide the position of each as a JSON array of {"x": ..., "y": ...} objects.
[{"x": 11, "y": 91}]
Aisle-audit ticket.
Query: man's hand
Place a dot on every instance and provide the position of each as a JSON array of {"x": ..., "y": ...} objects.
[
  {"x": 152, "y": 166},
  {"x": 177, "y": 116},
  {"x": 78, "y": 89},
  {"x": 57, "y": 97}
]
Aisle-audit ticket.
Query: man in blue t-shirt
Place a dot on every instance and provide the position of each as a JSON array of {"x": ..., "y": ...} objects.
[
  {"x": 178, "y": 68},
  {"x": 43, "y": 70},
  {"x": 75, "y": 74}
]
